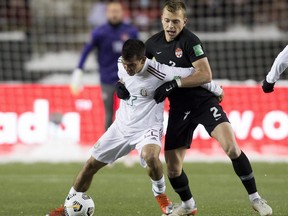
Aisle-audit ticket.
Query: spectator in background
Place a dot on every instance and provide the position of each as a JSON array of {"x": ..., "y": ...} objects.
[
  {"x": 15, "y": 15},
  {"x": 97, "y": 15},
  {"x": 108, "y": 40},
  {"x": 279, "y": 14}
]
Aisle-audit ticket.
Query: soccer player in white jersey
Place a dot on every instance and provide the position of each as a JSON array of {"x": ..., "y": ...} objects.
[
  {"x": 139, "y": 121},
  {"x": 278, "y": 67}
]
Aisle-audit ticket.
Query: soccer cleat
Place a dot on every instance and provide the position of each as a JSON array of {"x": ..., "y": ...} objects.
[
  {"x": 180, "y": 211},
  {"x": 165, "y": 204},
  {"x": 261, "y": 206},
  {"x": 57, "y": 212}
]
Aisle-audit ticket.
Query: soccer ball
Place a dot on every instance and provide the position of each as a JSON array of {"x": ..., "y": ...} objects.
[{"x": 79, "y": 204}]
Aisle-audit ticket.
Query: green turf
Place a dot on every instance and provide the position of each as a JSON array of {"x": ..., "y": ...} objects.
[{"x": 33, "y": 189}]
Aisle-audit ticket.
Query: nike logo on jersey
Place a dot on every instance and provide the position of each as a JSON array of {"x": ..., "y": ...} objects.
[
  {"x": 158, "y": 53},
  {"x": 186, "y": 114},
  {"x": 216, "y": 119},
  {"x": 168, "y": 89}
]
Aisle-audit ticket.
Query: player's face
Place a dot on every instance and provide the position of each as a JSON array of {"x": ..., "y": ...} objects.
[
  {"x": 173, "y": 23},
  {"x": 133, "y": 65},
  {"x": 114, "y": 13}
]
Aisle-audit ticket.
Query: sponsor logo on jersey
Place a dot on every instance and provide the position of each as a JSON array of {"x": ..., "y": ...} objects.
[
  {"x": 144, "y": 92},
  {"x": 198, "y": 50},
  {"x": 178, "y": 53}
]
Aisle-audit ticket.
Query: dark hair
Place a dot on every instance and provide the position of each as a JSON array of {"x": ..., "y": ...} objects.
[
  {"x": 133, "y": 47},
  {"x": 175, "y": 5}
]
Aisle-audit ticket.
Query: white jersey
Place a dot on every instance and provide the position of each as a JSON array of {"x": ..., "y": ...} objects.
[
  {"x": 278, "y": 67},
  {"x": 141, "y": 111},
  {"x": 139, "y": 120}
]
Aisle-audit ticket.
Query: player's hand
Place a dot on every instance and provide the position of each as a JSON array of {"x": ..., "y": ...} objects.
[
  {"x": 221, "y": 96},
  {"x": 164, "y": 91},
  {"x": 122, "y": 91},
  {"x": 76, "y": 84},
  {"x": 267, "y": 87}
]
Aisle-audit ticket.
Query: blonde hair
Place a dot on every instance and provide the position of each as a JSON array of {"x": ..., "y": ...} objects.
[{"x": 175, "y": 5}]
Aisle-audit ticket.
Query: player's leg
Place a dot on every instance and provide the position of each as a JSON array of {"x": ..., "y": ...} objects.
[
  {"x": 108, "y": 101},
  {"x": 150, "y": 154},
  {"x": 108, "y": 149},
  {"x": 82, "y": 182},
  {"x": 179, "y": 181},
  {"x": 85, "y": 176},
  {"x": 178, "y": 139},
  {"x": 223, "y": 133},
  {"x": 149, "y": 149}
]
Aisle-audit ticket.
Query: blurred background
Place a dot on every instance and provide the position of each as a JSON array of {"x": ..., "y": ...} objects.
[{"x": 41, "y": 42}]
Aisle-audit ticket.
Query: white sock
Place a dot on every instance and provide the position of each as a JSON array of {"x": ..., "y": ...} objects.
[
  {"x": 158, "y": 187},
  {"x": 72, "y": 191},
  {"x": 189, "y": 204},
  {"x": 254, "y": 196}
]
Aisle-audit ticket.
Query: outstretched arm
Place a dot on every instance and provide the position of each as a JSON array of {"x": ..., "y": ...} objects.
[
  {"x": 278, "y": 67},
  {"x": 201, "y": 75}
]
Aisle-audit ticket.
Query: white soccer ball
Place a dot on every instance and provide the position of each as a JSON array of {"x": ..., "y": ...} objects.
[{"x": 79, "y": 204}]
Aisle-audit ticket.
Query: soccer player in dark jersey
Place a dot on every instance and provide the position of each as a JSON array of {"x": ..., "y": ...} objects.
[
  {"x": 108, "y": 39},
  {"x": 176, "y": 45}
]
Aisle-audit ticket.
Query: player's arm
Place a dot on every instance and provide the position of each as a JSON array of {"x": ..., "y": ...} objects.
[
  {"x": 121, "y": 91},
  {"x": 215, "y": 89},
  {"x": 201, "y": 75},
  {"x": 174, "y": 77},
  {"x": 278, "y": 67}
]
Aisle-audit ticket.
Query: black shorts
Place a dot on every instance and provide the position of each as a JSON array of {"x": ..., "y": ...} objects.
[{"x": 181, "y": 124}]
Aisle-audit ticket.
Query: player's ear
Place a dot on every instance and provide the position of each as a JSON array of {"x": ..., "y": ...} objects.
[
  {"x": 143, "y": 60},
  {"x": 185, "y": 21}
]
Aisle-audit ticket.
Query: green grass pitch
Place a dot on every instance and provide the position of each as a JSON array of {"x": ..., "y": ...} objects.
[{"x": 33, "y": 189}]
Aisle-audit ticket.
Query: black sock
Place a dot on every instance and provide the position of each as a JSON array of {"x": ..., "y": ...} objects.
[
  {"x": 180, "y": 185},
  {"x": 243, "y": 169}
]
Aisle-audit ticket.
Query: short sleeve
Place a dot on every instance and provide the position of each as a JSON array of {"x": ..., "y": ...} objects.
[
  {"x": 148, "y": 52},
  {"x": 194, "y": 47}
]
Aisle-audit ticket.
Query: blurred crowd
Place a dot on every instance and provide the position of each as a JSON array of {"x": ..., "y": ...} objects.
[
  {"x": 62, "y": 26},
  {"x": 205, "y": 15}
]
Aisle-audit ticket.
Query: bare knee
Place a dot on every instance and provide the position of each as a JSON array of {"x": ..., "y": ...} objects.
[
  {"x": 174, "y": 169},
  {"x": 232, "y": 151},
  {"x": 150, "y": 158},
  {"x": 174, "y": 160},
  {"x": 173, "y": 173},
  {"x": 224, "y": 134}
]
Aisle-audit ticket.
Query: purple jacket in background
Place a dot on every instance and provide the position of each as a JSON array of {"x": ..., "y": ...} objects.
[{"x": 108, "y": 40}]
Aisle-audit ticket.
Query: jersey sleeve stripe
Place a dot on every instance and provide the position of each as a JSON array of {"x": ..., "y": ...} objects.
[{"x": 156, "y": 73}]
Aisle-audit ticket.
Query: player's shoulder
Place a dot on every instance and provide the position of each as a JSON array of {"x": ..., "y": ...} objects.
[
  {"x": 158, "y": 37},
  {"x": 151, "y": 63},
  {"x": 121, "y": 70},
  {"x": 189, "y": 36}
]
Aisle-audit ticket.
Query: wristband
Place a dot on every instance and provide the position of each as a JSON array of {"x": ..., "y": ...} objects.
[{"x": 178, "y": 81}]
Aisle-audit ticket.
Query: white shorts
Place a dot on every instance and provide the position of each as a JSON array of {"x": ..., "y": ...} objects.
[{"x": 114, "y": 144}]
